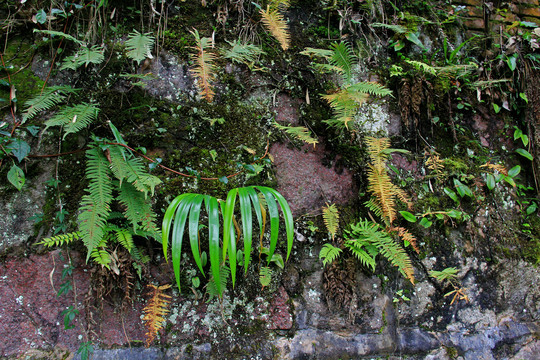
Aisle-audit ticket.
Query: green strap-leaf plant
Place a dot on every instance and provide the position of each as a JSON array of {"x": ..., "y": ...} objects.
[{"x": 187, "y": 208}]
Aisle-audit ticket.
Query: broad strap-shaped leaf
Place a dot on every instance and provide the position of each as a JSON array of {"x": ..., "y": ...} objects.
[
  {"x": 213, "y": 238},
  {"x": 193, "y": 227},
  {"x": 180, "y": 217},
  {"x": 287, "y": 217},
  {"x": 247, "y": 226},
  {"x": 168, "y": 222},
  {"x": 229, "y": 243}
]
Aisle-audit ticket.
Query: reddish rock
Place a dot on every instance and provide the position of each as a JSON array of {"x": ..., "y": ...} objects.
[
  {"x": 280, "y": 314},
  {"x": 306, "y": 183}
]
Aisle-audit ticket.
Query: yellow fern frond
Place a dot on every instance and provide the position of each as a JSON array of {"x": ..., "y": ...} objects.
[
  {"x": 382, "y": 189},
  {"x": 155, "y": 312},
  {"x": 276, "y": 24},
  {"x": 496, "y": 167},
  {"x": 435, "y": 164},
  {"x": 204, "y": 66},
  {"x": 331, "y": 219}
]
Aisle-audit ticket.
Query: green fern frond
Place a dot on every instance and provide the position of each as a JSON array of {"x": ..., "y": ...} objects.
[
  {"x": 95, "y": 207},
  {"x": 139, "y": 256},
  {"x": 277, "y": 26},
  {"x": 138, "y": 209},
  {"x": 59, "y": 34},
  {"x": 265, "y": 276},
  {"x": 242, "y": 53},
  {"x": 393, "y": 252},
  {"x": 398, "y": 29},
  {"x": 50, "y": 97},
  {"x": 364, "y": 252},
  {"x": 139, "y": 46},
  {"x": 132, "y": 170},
  {"x": 212, "y": 288},
  {"x": 101, "y": 256},
  {"x": 449, "y": 274},
  {"x": 314, "y": 52},
  {"x": 298, "y": 132},
  {"x": 124, "y": 238},
  {"x": 344, "y": 58},
  {"x": 418, "y": 65},
  {"x": 369, "y": 87},
  {"x": 84, "y": 56},
  {"x": 331, "y": 219},
  {"x": 60, "y": 240},
  {"x": 329, "y": 253},
  {"x": 204, "y": 67},
  {"x": 74, "y": 118}
]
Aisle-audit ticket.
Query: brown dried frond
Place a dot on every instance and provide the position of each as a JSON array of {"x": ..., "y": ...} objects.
[
  {"x": 435, "y": 164},
  {"x": 496, "y": 167},
  {"x": 155, "y": 312},
  {"x": 276, "y": 24},
  {"x": 204, "y": 66},
  {"x": 405, "y": 235},
  {"x": 339, "y": 284}
]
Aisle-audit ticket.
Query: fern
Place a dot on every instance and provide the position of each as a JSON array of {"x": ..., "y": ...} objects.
[
  {"x": 138, "y": 209},
  {"x": 132, "y": 170},
  {"x": 329, "y": 253},
  {"x": 95, "y": 207},
  {"x": 398, "y": 29},
  {"x": 298, "y": 132},
  {"x": 331, "y": 219},
  {"x": 204, "y": 66},
  {"x": 60, "y": 240},
  {"x": 418, "y": 65},
  {"x": 265, "y": 276},
  {"x": 139, "y": 46},
  {"x": 47, "y": 99},
  {"x": 84, "y": 56},
  {"x": 343, "y": 58},
  {"x": 276, "y": 25},
  {"x": 369, "y": 87},
  {"x": 124, "y": 238},
  {"x": 243, "y": 53},
  {"x": 74, "y": 118},
  {"x": 387, "y": 247},
  {"x": 59, "y": 34},
  {"x": 213, "y": 287},
  {"x": 155, "y": 312}
]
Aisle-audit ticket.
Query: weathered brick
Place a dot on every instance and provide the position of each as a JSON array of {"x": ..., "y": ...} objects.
[
  {"x": 474, "y": 23},
  {"x": 529, "y": 11},
  {"x": 474, "y": 11},
  {"x": 468, "y": 2}
]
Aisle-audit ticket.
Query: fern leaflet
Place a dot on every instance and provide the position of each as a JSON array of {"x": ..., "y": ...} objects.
[
  {"x": 155, "y": 312},
  {"x": 242, "y": 53},
  {"x": 138, "y": 210},
  {"x": 331, "y": 219},
  {"x": 265, "y": 276},
  {"x": 59, "y": 34},
  {"x": 74, "y": 118},
  {"x": 139, "y": 46}
]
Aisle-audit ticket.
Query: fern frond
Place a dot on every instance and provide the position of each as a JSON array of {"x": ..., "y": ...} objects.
[
  {"x": 329, "y": 253},
  {"x": 124, "y": 238},
  {"x": 242, "y": 53},
  {"x": 405, "y": 235},
  {"x": 344, "y": 58},
  {"x": 60, "y": 240},
  {"x": 381, "y": 187},
  {"x": 204, "y": 66},
  {"x": 155, "y": 312},
  {"x": 418, "y": 65},
  {"x": 449, "y": 274},
  {"x": 398, "y": 29},
  {"x": 74, "y": 118},
  {"x": 59, "y": 34},
  {"x": 138, "y": 209},
  {"x": 50, "y": 97},
  {"x": 331, "y": 219},
  {"x": 265, "y": 276},
  {"x": 132, "y": 170},
  {"x": 345, "y": 104},
  {"x": 299, "y": 132},
  {"x": 277, "y": 26},
  {"x": 496, "y": 167},
  {"x": 372, "y": 233},
  {"x": 102, "y": 257},
  {"x": 139, "y": 256},
  {"x": 212, "y": 288},
  {"x": 84, "y": 56},
  {"x": 139, "y": 46},
  {"x": 435, "y": 164},
  {"x": 359, "y": 250},
  {"x": 95, "y": 207},
  {"x": 314, "y": 52},
  {"x": 369, "y": 87}
]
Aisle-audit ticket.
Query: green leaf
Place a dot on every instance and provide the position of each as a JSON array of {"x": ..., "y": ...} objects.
[
  {"x": 224, "y": 179},
  {"x": 454, "y": 214},
  {"x": 524, "y": 97},
  {"x": 229, "y": 239},
  {"x": 41, "y": 16},
  {"x": 213, "y": 237},
  {"x": 511, "y": 61},
  {"x": 451, "y": 194},
  {"x": 412, "y": 37},
  {"x": 408, "y": 216},
  {"x": 496, "y": 107},
  {"x": 193, "y": 229},
  {"x": 531, "y": 208},
  {"x": 462, "y": 189},
  {"x": 19, "y": 148},
  {"x": 60, "y": 34},
  {"x": 425, "y": 222},
  {"x": 513, "y": 172},
  {"x": 139, "y": 46},
  {"x": 16, "y": 177},
  {"x": 247, "y": 226},
  {"x": 525, "y": 153},
  {"x": 490, "y": 182}
]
